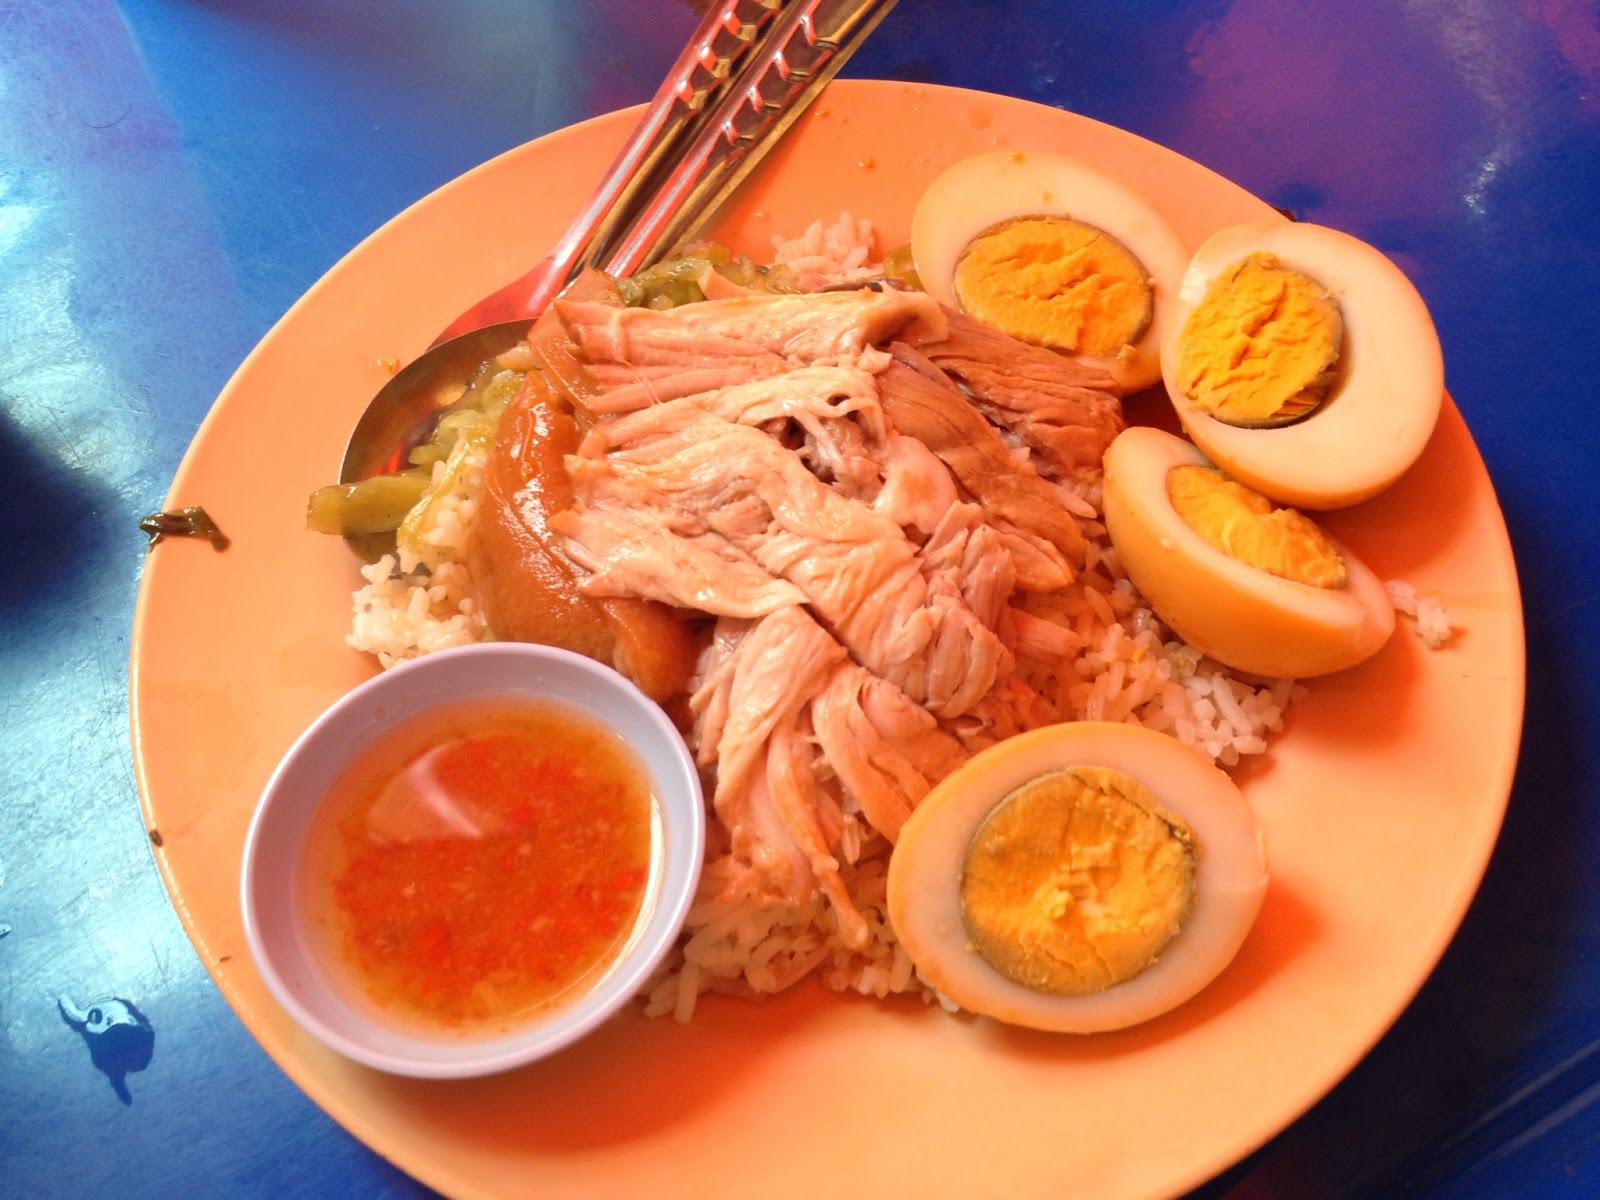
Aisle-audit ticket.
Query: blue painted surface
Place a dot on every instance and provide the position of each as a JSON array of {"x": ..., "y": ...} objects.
[{"x": 174, "y": 173}]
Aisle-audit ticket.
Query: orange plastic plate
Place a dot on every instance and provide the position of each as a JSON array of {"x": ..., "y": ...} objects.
[{"x": 1381, "y": 800}]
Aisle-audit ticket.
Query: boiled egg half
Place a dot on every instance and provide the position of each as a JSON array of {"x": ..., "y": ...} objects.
[
  {"x": 1055, "y": 253},
  {"x": 1257, "y": 587},
  {"x": 1303, "y": 362},
  {"x": 1077, "y": 878}
]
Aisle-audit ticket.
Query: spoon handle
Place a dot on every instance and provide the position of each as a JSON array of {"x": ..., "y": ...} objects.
[
  {"x": 705, "y": 69},
  {"x": 800, "y": 53},
  {"x": 707, "y": 66}
]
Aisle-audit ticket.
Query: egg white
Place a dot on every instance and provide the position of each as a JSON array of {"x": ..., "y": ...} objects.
[
  {"x": 1379, "y": 415},
  {"x": 925, "y": 875},
  {"x": 1244, "y": 617},
  {"x": 981, "y": 192}
]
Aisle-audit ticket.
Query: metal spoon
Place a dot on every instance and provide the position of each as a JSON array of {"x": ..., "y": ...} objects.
[{"x": 678, "y": 168}]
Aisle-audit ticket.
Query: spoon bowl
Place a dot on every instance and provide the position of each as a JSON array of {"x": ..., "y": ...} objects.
[
  {"x": 403, "y": 413},
  {"x": 405, "y": 410}
]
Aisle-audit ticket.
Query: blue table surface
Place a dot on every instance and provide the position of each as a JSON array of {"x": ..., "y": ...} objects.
[{"x": 174, "y": 173}]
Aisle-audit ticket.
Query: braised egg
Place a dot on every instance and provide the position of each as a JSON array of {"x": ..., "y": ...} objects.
[
  {"x": 1077, "y": 878},
  {"x": 1257, "y": 587},
  {"x": 1303, "y": 362},
  {"x": 1055, "y": 253}
]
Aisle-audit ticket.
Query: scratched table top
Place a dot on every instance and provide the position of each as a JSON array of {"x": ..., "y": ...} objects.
[{"x": 174, "y": 174}]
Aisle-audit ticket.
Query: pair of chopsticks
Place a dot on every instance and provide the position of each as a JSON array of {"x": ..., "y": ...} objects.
[{"x": 749, "y": 71}]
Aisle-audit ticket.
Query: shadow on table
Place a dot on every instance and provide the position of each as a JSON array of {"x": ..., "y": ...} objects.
[
  {"x": 120, "y": 1038},
  {"x": 58, "y": 520}
]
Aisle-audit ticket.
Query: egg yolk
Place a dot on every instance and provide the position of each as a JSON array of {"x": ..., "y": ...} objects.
[
  {"x": 1262, "y": 346},
  {"x": 1245, "y": 525},
  {"x": 1056, "y": 282},
  {"x": 1076, "y": 881}
]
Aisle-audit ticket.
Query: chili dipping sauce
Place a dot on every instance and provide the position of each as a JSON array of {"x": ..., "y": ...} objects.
[{"x": 481, "y": 863}]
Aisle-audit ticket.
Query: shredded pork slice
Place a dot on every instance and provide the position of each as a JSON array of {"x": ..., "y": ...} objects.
[
  {"x": 1065, "y": 411},
  {"x": 812, "y": 397},
  {"x": 647, "y": 337},
  {"x": 692, "y": 473},
  {"x": 970, "y": 557},
  {"x": 835, "y": 327},
  {"x": 642, "y": 357},
  {"x": 1044, "y": 539},
  {"x": 845, "y": 440},
  {"x": 886, "y": 750},
  {"x": 835, "y": 412},
  {"x": 626, "y": 389},
  {"x": 757, "y": 681},
  {"x": 754, "y": 675},
  {"x": 800, "y": 802},
  {"x": 637, "y": 558},
  {"x": 671, "y": 361},
  {"x": 915, "y": 490},
  {"x": 1040, "y": 640}
]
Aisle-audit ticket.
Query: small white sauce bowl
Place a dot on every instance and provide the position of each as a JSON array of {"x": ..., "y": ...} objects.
[{"x": 278, "y": 928}]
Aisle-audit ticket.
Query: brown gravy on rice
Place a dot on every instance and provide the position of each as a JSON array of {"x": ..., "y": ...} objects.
[{"x": 1097, "y": 654}]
